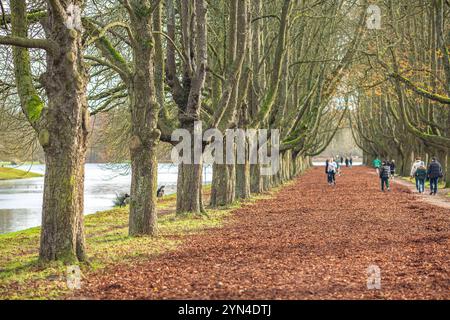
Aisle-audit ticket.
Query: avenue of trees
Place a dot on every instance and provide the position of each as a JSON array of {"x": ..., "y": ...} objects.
[
  {"x": 303, "y": 67},
  {"x": 404, "y": 85}
]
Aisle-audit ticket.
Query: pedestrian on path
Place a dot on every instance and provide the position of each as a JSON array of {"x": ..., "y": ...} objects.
[
  {"x": 326, "y": 165},
  {"x": 351, "y": 162},
  {"x": 377, "y": 164},
  {"x": 434, "y": 174},
  {"x": 418, "y": 163},
  {"x": 347, "y": 162},
  {"x": 338, "y": 168},
  {"x": 385, "y": 172},
  {"x": 332, "y": 168},
  {"x": 421, "y": 176},
  {"x": 393, "y": 167}
]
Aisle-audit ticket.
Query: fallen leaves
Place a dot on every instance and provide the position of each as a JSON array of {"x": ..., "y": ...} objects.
[{"x": 308, "y": 242}]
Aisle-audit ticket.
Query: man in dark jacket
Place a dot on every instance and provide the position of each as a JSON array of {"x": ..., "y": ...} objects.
[
  {"x": 434, "y": 173},
  {"x": 393, "y": 167},
  {"x": 385, "y": 172}
]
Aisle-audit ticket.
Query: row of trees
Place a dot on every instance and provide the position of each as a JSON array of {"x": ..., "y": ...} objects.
[
  {"x": 163, "y": 65},
  {"x": 403, "y": 85}
]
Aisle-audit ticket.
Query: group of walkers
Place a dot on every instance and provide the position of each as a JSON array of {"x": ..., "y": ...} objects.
[
  {"x": 419, "y": 171},
  {"x": 378, "y": 165},
  {"x": 333, "y": 168},
  {"x": 386, "y": 172}
]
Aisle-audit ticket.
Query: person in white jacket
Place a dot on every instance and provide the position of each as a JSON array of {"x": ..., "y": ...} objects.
[
  {"x": 332, "y": 168},
  {"x": 416, "y": 165}
]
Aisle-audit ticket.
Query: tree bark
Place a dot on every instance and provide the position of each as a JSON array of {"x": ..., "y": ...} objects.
[
  {"x": 256, "y": 183},
  {"x": 63, "y": 136},
  {"x": 189, "y": 188},
  {"x": 223, "y": 185},
  {"x": 188, "y": 93},
  {"x": 243, "y": 181},
  {"x": 144, "y": 119},
  {"x": 447, "y": 173}
]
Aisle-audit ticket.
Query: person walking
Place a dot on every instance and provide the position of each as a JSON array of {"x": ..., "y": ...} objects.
[
  {"x": 332, "y": 168},
  {"x": 338, "y": 168},
  {"x": 347, "y": 162},
  {"x": 393, "y": 167},
  {"x": 434, "y": 174},
  {"x": 418, "y": 163},
  {"x": 326, "y": 166},
  {"x": 351, "y": 162},
  {"x": 377, "y": 164},
  {"x": 421, "y": 176},
  {"x": 385, "y": 172}
]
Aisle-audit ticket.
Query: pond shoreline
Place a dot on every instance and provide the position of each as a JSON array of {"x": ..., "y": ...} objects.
[
  {"x": 23, "y": 277},
  {"x": 21, "y": 200}
]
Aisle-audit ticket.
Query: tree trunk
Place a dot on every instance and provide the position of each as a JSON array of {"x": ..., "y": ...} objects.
[
  {"x": 243, "y": 181},
  {"x": 62, "y": 236},
  {"x": 407, "y": 164},
  {"x": 189, "y": 188},
  {"x": 223, "y": 185},
  {"x": 144, "y": 166},
  {"x": 447, "y": 174},
  {"x": 63, "y": 137},
  {"x": 256, "y": 183},
  {"x": 144, "y": 118},
  {"x": 267, "y": 183}
]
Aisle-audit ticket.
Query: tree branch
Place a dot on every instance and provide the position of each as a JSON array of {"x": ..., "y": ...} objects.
[{"x": 47, "y": 45}]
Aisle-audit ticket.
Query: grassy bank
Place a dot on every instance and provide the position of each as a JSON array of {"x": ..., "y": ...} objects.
[
  {"x": 22, "y": 277},
  {"x": 10, "y": 174}
]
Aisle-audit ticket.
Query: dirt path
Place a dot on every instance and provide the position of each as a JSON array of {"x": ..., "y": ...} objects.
[
  {"x": 311, "y": 241},
  {"x": 440, "y": 200}
]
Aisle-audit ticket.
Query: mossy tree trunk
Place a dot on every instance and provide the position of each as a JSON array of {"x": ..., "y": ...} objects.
[
  {"x": 189, "y": 185},
  {"x": 256, "y": 182},
  {"x": 144, "y": 119},
  {"x": 62, "y": 124},
  {"x": 187, "y": 92},
  {"x": 447, "y": 173},
  {"x": 64, "y": 139},
  {"x": 223, "y": 185},
  {"x": 189, "y": 188},
  {"x": 243, "y": 181},
  {"x": 145, "y": 105}
]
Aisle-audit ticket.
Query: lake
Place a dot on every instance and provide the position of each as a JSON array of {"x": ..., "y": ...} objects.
[{"x": 21, "y": 200}]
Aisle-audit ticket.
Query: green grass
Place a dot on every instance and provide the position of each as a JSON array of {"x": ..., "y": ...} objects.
[
  {"x": 107, "y": 242},
  {"x": 10, "y": 174}
]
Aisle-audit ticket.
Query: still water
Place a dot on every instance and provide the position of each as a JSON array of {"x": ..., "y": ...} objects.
[{"x": 21, "y": 200}]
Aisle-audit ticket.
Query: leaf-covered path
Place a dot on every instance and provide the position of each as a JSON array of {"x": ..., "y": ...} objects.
[{"x": 310, "y": 241}]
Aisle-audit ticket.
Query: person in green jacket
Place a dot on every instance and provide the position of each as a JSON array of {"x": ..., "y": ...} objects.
[
  {"x": 377, "y": 165},
  {"x": 421, "y": 176}
]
